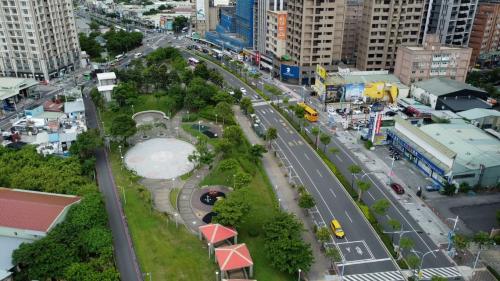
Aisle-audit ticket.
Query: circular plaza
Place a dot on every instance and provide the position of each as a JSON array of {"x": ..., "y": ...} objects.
[{"x": 160, "y": 158}]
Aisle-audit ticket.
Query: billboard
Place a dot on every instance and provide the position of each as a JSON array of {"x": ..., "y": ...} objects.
[
  {"x": 200, "y": 10},
  {"x": 321, "y": 72},
  {"x": 163, "y": 21},
  {"x": 281, "y": 27},
  {"x": 353, "y": 91},
  {"x": 290, "y": 71}
]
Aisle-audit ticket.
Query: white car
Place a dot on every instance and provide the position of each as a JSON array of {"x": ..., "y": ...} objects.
[
  {"x": 357, "y": 102},
  {"x": 243, "y": 90},
  {"x": 394, "y": 108},
  {"x": 357, "y": 111},
  {"x": 331, "y": 110}
]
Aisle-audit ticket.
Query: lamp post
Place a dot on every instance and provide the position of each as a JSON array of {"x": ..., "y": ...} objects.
[
  {"x": 188, "y": 114},
  {"x": 367, "y": 173},
  {"x": 176, "y": 223},
  {"x": 300, "y": 270},
  {"x": 216, "y": 276},
  {"x": 391, "y": 171},
  {"x": 215, "y": 118},
  {"x": 148, "y": 274},
  {"x": 133, "y": 112},
  {"x": 422, "y": 258},
  {"x": 234, "y": 181}
]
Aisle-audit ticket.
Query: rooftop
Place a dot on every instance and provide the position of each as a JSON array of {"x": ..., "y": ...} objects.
[
  {"x": 106, "y": 76},
  {"x": 8, "y": 245},
  {"x": 10, "y": 87},
  {"x": 357, "y": 77},
  {"x": 31, "y": 210},
  {"x": 477, "y": 113},
  {"x": 472, "y": 145},
  {"x": 443, "y": 86},
  {"x": 465, "y": 103},
  {"x": 74, "y": 106}
]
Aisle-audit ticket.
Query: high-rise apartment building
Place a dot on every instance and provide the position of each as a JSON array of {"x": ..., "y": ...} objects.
[
  {"x": 417, "y": 63},
  {"x": 353, "y": 16},
  {"x": 260, "y": 21},
  {"x": 37, "y": 38},
  {"x": 485, "y": 36},
  {"x": 386, "y": 25},
  {"x": 276, "y": 33},
  {"x": 451, "y": 20},
  {"x": 314, "y": 35}
]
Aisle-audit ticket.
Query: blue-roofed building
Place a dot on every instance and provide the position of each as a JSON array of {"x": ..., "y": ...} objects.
[{"x": 235, "y": 28}]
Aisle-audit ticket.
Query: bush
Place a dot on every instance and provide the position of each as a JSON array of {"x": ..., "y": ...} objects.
[
  {"x": 464, "y": 187},
  {"x": 253, "y": 232},
  {"x": 191, "y": 117},
  {"x": 493, "y": 271},
  {"x": 368, "y": 144}
]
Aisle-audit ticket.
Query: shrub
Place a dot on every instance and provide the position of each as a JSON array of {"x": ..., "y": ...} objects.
[
  {"x": 464, "y": 187},
  {"x": 191, "y": 117},
  {"x": 253, "y": 232},
  {"x": 368, "y": 144}
]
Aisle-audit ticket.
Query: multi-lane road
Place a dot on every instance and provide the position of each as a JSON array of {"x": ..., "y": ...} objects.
[{"x": 364, "y": 255}]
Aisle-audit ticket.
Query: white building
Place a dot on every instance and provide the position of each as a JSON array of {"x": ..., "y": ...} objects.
[
  {"x": 105, "y": 83},
  {"x": 38, "y": 39}
]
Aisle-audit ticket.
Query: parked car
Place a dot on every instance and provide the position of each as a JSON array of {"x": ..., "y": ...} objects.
[
  {"x": 357, "y": 102},
  {"x": 431, "y": 188},
  {"x": 390, "y": 113},
  {"x": 397, "y": 188}
]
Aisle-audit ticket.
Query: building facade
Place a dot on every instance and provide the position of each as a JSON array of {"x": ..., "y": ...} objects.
[
  {"x": 276, "y": 33},
  {"x": 451, "y": 20},
  {"x": 353, "y": 17},
  {"x": 485, "y": 35},
  {"x": 387, "y": 25},
  {"x": 314, "y": 36},
  {"x": 38, "y": 39},
  {"x": 261, "y": 21},
  {"x": 431, "y": 60}
]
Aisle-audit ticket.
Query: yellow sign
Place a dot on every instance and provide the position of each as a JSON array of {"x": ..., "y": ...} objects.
[{"x": 321, "y": 71}]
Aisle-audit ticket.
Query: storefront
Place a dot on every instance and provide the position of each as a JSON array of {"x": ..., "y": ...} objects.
[{"x": 431, "y": 166}]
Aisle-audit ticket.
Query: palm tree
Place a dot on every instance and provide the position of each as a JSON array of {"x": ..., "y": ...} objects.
[
  {"x": 325, "y": 140},
  {"x": 315, "y": 131},
  {"x": 380, "y": 206},
  {"x": 405, "y": 243},
  {"x": 363, "y": 186},
  {"x": 395, "y": 225},
  {"x": 271, "y": 135},
  {"x": 354, "y": 169}
]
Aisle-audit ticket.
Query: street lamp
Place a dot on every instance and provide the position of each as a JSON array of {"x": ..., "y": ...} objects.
[
  {"x": 148, "y": 274},
  {"x": 199, "y": 126},
  {"x": 422, "y": 258},
  {"x": 176, "y": 223},
  {"x": 300, "y": 270},
  {"x": 216, "y": 276},
  {"x": 216, "y": 118}
]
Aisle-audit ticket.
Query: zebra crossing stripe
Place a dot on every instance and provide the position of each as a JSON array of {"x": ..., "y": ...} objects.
[
  {"x": 440, "y": 271},
  {"x": 376, "y": 276}
]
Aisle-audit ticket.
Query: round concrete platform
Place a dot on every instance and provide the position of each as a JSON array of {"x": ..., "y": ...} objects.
[{"x": 160, "y": 158}]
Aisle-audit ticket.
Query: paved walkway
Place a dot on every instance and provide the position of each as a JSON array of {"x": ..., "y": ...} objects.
[
  {"x": 184, "y": 206},
  {"x": 287, "y": 198}
]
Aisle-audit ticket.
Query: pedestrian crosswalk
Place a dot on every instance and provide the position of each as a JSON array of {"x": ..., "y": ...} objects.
[
  {"x": 447, "y": 272},
  {"x": 376, "y": 276}
]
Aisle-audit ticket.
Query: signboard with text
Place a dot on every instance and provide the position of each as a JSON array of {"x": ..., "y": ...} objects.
[
  {"x": 321, "y": 72},
  {"x": 290, "y": 71},
  {"x": 281, "y": 27},
  {"x": 200, "y": 10}
]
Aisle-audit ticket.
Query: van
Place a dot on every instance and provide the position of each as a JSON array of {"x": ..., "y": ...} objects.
[
  {"x": 138, "y": 55},
  {"x": 337, "y": 229}
]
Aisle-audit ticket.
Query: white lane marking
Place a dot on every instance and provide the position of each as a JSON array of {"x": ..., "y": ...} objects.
[
  {"x": 319, "y": 173},
  {"x": 388, "y": 217},
  {"x": 348, "y": 216},
  {"x": 338, "y": 157},
  {"x": 363, "y": 261},
  {"x": 305, "y": 154},
  {"x": 333, "y": 193},
  {"x": 370, "y": 195}
]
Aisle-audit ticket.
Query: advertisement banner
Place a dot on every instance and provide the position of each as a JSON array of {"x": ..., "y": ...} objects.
[
  {"x": 321, "y": 72},
  {"x": 163, "y": 21},
  {"x": 353, "y": 91},
  {"x": 319, "y": 87},
  {"x": 257, "y": 58},
  {"x": 290, "y": 71},
  {"x": 379, "y": 123},
  {"x": 200, "y": 10},
  {"x": 281, "y": 27}
]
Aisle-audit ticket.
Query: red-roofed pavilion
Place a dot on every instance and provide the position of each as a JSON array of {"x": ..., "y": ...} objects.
[
  {"x": 215, "y": 233},
  {"x": 234, "y": 257}
]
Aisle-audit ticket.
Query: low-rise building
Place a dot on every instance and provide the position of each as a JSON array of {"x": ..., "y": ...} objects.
[
  {"x": 417, "y": 63},
  {"x": 483, "y": 118},
  {"x": 26, "y": 216},
  {"x": 75, "y": 109},
  {"x": 105, "y": 83},
  {"x": 14, "y": 91},
  {"x": 454, "y": 152},
  {"x": 447, "y": 94}
]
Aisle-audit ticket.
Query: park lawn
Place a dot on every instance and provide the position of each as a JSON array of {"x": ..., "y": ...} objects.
[
  {"x": 264, "y": 205},
  {"x": 168, "y": 252}
]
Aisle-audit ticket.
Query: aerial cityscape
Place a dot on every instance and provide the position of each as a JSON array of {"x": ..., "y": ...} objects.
[{"x": 313, "y": 140}]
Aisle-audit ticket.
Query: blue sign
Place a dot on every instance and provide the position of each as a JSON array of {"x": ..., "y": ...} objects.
[
  {"x": 376, "y": 107},
  {"x": 290, "y": 71}
]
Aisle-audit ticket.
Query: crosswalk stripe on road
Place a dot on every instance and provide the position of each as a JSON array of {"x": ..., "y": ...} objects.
[
  {"x": 440, "y": 271},
  {"x": 376, "y": 276}
]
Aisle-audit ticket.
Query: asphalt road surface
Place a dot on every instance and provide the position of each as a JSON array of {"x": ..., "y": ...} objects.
[{"x": 365, "y": 257}]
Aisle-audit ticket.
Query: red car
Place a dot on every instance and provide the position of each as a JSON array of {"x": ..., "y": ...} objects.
[{"x": 397, "y": 188}]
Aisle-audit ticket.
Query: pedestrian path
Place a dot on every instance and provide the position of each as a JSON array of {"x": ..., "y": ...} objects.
[
  {"x": 448, "y": 272},
  {"x": 377, "y": 276},
  {"x": 186, "y": 211}
]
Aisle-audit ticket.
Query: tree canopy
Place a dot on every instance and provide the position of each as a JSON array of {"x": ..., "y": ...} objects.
[
  {"x": 123, "y": 126},
  {"x": 232, "y": 210}
]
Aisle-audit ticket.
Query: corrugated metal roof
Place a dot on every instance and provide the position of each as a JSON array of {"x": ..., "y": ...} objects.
[
  {"x": 443, "y": 86},
  {"x": 477, "y": 113}
]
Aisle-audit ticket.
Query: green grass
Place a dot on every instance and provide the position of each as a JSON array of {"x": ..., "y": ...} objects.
[
  {"x": 173, "y": 197},
  {"x": 168, "y": 252}
]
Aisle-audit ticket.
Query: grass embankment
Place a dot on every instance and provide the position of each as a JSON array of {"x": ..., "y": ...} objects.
[
  {"x": 174, "y": 192},
  {"x": 169, "y": 253}
]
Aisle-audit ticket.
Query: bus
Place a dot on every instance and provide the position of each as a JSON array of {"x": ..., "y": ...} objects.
[
  {"x": 193, "y": 61},
  {"x": 119, "y": 57},
  {"x": 309, "y": 113}
]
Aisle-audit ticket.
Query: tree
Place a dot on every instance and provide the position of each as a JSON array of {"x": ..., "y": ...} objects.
[
  {"x": 202, "y": 155},
  {"x": 89, "y": 45},
  {"x": 460, "y": 242},
  {"x": 413, "y": 262},
  {"x": 363, "y": 186},
  {"x": 123, "y": 126},
  {"x": 333, "y": 254},
  {"x": 256, "y": 151},
  {"x": 395, "y": 225},
  {"x": 94, "y": 26},
  {"x": 271, "y": 134},
  {"x": 234, "y": 135},
  {"x": 179, "y": 23},
  {"x": 354, "y": 169},
  {"x": 232, "y": 210},
  {"x": 86, "y": 143},
  {"x": 283, "y": 244},
  {"x": 238, "y": 94},
  {"x": 380, "y": 206},
  {"x": 405, "y": 243},
  {"x": 216, "y": 78},
  {"x": 334, "y": 150},
  {"x": 245, "y": 103},
  {"x": 306, "y": 201},
  {"x": 201, "y": 70},
  {"x": 124, "y": 94},
  {"x": 299, "y": 113},
  {"x": 323, "y": 234},
  {"x": 315, "y": 131},
  {"x": 448, "y": 188},
  {"x": 325, "y": 140},
  {"x": 241, "y": 179},
  {"x": 224, "y": 111},
  {"x": 438, "y": 278}
]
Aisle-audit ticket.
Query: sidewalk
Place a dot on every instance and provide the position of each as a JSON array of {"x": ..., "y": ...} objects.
[
  {"x": 287, "y": 198},
  {"x": 428, "y": 221}
]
